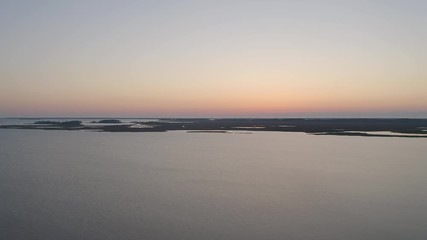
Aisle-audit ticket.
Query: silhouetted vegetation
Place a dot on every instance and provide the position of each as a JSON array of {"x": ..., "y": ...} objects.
[
  {"x": 65, "y": 124},
  {"x": 108, "y": 121},
  {"x": 71, "y": 124}
]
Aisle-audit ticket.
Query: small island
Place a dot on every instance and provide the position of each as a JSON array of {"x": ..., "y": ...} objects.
[
  {"x": 65, "y": 124},
  {"x": 108, "y": 121}
]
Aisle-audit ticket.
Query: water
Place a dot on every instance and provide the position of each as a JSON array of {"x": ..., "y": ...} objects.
[{"x": 177, "y": 185}]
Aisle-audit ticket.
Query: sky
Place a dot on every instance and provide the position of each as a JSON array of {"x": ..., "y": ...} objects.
[{"x": 88, "y": 58}]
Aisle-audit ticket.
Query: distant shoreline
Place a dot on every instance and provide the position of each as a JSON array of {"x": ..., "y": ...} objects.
[{"x": 365, "y": 127}]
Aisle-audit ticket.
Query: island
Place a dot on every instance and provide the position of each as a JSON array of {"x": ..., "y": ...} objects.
[
  {"x": 60, "y": 125},
  {"x": 108, "y": 121}
]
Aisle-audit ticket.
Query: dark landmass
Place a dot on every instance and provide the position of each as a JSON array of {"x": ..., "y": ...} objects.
[
  {"x": 65, "y": 124},
  {"x": 108, "y": 121},
  {"x": 341, "y": 127}
]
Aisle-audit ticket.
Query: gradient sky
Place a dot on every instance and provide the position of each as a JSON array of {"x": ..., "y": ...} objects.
[{"x": 213, "y": 58}]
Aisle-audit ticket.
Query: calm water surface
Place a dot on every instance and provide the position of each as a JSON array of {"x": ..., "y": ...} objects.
[{"x": 177, "y": 185}]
